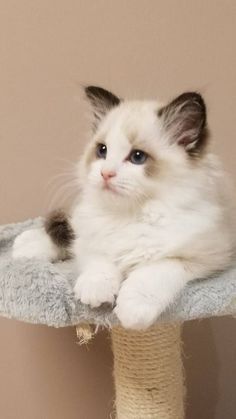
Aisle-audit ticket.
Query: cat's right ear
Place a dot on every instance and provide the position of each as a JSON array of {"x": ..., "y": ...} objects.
[
  {"x": 184, "y": 122},
  {"x": 102, "y": 102}
]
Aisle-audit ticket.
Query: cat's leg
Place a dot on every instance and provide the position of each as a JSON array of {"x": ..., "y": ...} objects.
[
  {"x": 98, "y": 283},
  {"x": 35, "y": 243},
  {"x": 149, "y": 290}
]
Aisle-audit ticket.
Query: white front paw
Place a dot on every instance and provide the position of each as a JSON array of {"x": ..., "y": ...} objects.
[
  {"x": 95, "y": 288},
  {"x": 135, "y": 309},
  {"x": 34, "y": 243}
]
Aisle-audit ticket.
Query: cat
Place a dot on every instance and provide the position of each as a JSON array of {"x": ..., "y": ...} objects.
[{"x": 155, "y": 208}]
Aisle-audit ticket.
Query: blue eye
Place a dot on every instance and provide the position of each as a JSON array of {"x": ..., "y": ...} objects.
[
  {"x": 138, "y": 157},
  {"x": 101, "y": 151}
]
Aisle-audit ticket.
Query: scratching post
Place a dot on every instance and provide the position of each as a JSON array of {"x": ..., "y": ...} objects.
[{"x": 148, "y": 373}]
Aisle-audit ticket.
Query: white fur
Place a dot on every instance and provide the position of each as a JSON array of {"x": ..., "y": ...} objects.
[
  {"x": 147, "y": 235},
  {"x": 148, "y": 291},
  {"x": 98, "y": 283},
  {"x": 34, "y": 243}
]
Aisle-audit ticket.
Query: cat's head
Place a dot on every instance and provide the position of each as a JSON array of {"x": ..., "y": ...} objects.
[{"x": 138, "y": 145}]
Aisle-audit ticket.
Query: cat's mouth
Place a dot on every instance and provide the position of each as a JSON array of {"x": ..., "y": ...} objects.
[{"x": 110, "y": 188}]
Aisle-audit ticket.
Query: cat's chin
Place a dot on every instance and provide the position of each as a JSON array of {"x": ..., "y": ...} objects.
[
  {"x": 114, "y": 198},
  {"x": 110, "y": 189}
]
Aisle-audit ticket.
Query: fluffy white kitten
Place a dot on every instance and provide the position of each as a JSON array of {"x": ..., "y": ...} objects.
[{"x": 154, "y": 211}]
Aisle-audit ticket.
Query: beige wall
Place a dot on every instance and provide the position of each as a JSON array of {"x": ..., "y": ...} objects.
[{"x": 138, "y": 48}]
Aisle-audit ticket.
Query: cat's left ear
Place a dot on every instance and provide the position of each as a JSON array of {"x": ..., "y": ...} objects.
[
  {"x": 102, "y": 102},
  {"x": 184, "y": 122}
]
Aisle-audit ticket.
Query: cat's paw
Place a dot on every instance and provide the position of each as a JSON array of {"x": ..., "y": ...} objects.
[
  {"x": 95, "y": 288},
  {"x": 134, "y": 310},
  {"x": 34, "y": 243}
]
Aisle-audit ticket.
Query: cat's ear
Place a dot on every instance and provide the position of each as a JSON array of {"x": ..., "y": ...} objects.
[
  {"x": 184, "y": 122},
  {"x": 101, "y": 100}
]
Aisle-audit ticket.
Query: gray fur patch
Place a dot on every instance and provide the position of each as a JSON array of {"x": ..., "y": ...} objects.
[{"x": 58, "y": 227}]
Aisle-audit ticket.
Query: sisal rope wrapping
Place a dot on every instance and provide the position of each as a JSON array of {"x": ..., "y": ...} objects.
[{"x": 148, "y": 373}]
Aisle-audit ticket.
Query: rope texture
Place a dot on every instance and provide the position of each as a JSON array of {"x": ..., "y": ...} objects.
[{"x": 148, "y": 373}]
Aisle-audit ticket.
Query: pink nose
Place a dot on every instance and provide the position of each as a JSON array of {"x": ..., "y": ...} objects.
[{"x": 107, "y": 174}]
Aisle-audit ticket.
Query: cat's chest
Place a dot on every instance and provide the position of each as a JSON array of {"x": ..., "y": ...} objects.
[{"x": 125, "y": 239}]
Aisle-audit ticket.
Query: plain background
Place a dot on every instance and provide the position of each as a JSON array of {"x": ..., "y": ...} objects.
[{"x": 138, "y": 49}]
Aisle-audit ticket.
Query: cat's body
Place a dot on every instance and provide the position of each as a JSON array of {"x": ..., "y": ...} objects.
[{"x": 154, "y": 211}]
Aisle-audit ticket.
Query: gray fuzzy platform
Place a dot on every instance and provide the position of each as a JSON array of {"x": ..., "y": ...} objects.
[{"x": 42, "y": 292}]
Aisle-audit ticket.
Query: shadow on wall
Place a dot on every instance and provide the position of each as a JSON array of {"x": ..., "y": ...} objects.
[
  {"x": 205, "y": 344},
  {"x": 201, "y": 366}
]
